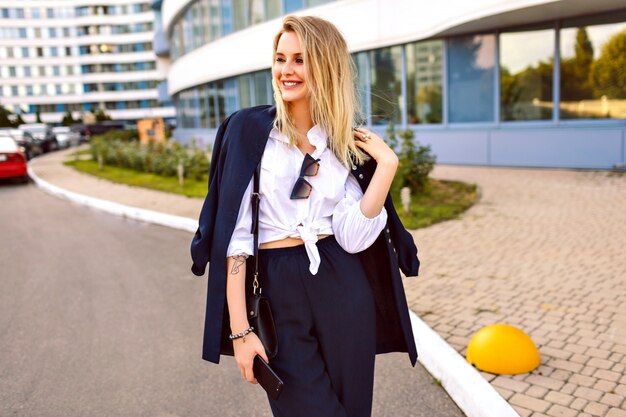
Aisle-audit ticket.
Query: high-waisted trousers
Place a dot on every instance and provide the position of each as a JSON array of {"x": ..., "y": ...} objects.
[{"x": 326, "y": 331}]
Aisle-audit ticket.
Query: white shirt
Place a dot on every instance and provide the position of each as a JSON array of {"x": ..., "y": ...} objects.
[{"x": 332, "y": 208}]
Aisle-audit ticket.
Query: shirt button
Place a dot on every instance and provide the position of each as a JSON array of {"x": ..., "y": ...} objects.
[
  {"x": 394, "y": 249},
  {"x": 353, "y": 167},
  {"x": 361, "y": 176},
  {"x": 387, "y": 230},
  {"x": 389, "y": 240}
]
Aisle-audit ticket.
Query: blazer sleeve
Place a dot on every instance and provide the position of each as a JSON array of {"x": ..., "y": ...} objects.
[{"x": 201, "y": 243}]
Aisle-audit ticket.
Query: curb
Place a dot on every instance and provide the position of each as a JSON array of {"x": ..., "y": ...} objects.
[
  {"x": 135, "y": 213},
  {"x": 465, "y": 385},
  {"x": 467, "y": 388}
]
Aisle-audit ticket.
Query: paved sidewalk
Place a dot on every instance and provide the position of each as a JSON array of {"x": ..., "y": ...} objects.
[{"x": 543, "y": 250}]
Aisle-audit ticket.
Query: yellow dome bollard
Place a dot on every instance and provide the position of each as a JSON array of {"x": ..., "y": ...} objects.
[{"x": 503, "y": 349}]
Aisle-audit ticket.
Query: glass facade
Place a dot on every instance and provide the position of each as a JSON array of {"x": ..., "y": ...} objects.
[
  {"x": 218, "y": 99},
  {"x": 385, "y": 70},
  {"x": 473, "y": 79},
  {"x": 424, "y": 82},
  {"x": 204, "y": 21},
  {"x": 592, "y": 70},
  {"x": 526, "y": 75},
  {"x": 471, "y": 64}
]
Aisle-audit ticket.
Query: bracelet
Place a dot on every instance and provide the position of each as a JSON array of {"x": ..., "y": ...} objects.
[{"x": 242, "y": 334}]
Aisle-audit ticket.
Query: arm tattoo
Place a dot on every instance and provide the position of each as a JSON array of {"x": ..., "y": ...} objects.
[{"x": 239, "y": 260}]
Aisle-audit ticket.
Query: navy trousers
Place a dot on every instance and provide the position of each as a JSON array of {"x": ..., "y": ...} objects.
[{"x": 326, "y": 331}]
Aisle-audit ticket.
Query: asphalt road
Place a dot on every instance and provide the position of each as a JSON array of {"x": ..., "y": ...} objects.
[{"x": 100, "y": 316}]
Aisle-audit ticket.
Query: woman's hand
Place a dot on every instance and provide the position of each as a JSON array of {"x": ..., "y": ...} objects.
[
  {"x": 375, "y": 146},
  {"x": 246, "y": 348},
  {"x": 386, "y": 165}
]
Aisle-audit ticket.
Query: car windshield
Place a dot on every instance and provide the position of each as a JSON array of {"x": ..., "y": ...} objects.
[
  {"x": 61, "y": 129},
  {"x": 37, "y": 130}
]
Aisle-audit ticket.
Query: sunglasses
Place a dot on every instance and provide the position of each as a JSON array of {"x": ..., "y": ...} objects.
[{"x": 302, "y": 188}]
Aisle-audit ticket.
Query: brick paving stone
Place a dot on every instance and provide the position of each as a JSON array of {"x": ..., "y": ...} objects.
[
  {"x": 543, "y": 381},
  {"x": 582, "y": 380},
  {"x": 560, "y": 411},
  {"x": 536, "y": 392},
  {"x": 568, "y": 388},
  {"x": 504, "y": 393},
  {"x": 578, "y": 358},
  {"x": 566, "y": 365},
  {"x": 608, "y": 375},
  {"x": 596, "y": 409},
  {"x": 621, "y": 390},
  {"x": 604, "y": 385},
  {"x": 556, "y": 353},
  {"x": 510, "y": 384},
  {"x": 613, "y": 400},
  {"x": 556, "y": 397},
  {"x": 523, "y": 412},
  {"x": 600, "y": 363},
  {"x": 598, "y": 353},
  {"x": 578, "y": 404},
  {"x": 530, "y": 403},
  {"x": 614, "y": 412},
  {"x": 588, "y": 370},
  {"x": 588, "y": 393}
]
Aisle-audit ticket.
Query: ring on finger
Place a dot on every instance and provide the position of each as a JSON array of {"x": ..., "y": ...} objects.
[{"x": 366, "y": 137}]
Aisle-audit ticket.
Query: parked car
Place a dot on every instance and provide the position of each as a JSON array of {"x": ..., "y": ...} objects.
[
  {"x": 42, "y": 133},
  {"x": 66, "y": 137},
  {"x": 86, "y": 131},
  {"x": 12, "y": 160},
  {"x": 25, "y": 141}
]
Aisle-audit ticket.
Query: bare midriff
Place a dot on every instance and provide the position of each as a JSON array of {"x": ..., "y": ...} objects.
[{"x": 286, "y": 242}]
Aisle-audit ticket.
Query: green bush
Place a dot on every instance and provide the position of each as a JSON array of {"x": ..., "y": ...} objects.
[
  {"x": 120, "y": 149},
  {"x": 416, "y": 163}
]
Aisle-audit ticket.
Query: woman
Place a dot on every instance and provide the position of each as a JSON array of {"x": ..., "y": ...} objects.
[{"x": 330, "y": 240}]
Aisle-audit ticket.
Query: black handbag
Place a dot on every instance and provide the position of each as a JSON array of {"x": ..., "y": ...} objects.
[{"x": 259, "y": 311}]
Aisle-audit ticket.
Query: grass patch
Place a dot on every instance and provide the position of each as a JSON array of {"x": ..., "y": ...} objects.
[
  {"x": 192, "y": 188},
  {"x": 439, "y": 201}
]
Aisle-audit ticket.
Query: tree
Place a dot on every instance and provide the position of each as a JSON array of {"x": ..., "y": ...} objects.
[
  {"x": 608, "y": 76},
  {"x": 68, "y": 119},
  {"x": 18, "y": 121},
  {"x": 576, "y": 71},
  {"x": 101, "y": 115},
  {"x": 38, "y": 119},
  {"x": 4, "y": 118}
]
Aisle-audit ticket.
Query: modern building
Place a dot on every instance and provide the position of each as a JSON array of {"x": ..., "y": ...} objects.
[
  {"x": 484, "y": 82},
  {"x": 79, "y": 56}
]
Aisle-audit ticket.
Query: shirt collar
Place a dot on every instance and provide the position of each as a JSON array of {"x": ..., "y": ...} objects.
[{"x": 317, "y": 137}]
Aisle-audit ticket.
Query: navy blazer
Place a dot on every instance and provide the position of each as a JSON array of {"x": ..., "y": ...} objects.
[{"x": 238, "y": 148}]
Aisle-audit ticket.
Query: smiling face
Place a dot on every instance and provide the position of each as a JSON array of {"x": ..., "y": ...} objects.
[{"x": 289, "y": 71}]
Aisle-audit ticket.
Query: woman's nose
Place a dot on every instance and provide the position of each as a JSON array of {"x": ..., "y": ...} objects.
[{"x": 287, "y": 68}]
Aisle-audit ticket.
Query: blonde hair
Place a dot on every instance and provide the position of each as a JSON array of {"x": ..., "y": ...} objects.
[{"x": 330, "y": 77}]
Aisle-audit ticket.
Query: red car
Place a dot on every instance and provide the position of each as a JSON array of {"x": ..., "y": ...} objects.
[{"x": 12, "y": 160}]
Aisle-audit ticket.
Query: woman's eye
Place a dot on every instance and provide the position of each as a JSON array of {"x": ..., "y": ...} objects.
[
  {"x": 279, "y": 60},
  {"x": 300, "y": 60}
]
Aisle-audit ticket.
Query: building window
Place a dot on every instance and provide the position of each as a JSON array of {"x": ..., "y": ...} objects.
[
  {"x": 471, "y": 61},
  {"x": 526, "y": 75},
  {"x": 273, "y": 9},
  {"x": 424, "y": 87},
  {"x": 27, "y": 72},
  {"x": 240, "y": 14},
  {"x": 593, "y": 79},
  {"x": 227, "y": 17},
  {"x": 293, "y": 5},
  {"x": 386, "y": 85},
  {"x": 25, "y": 53}
]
